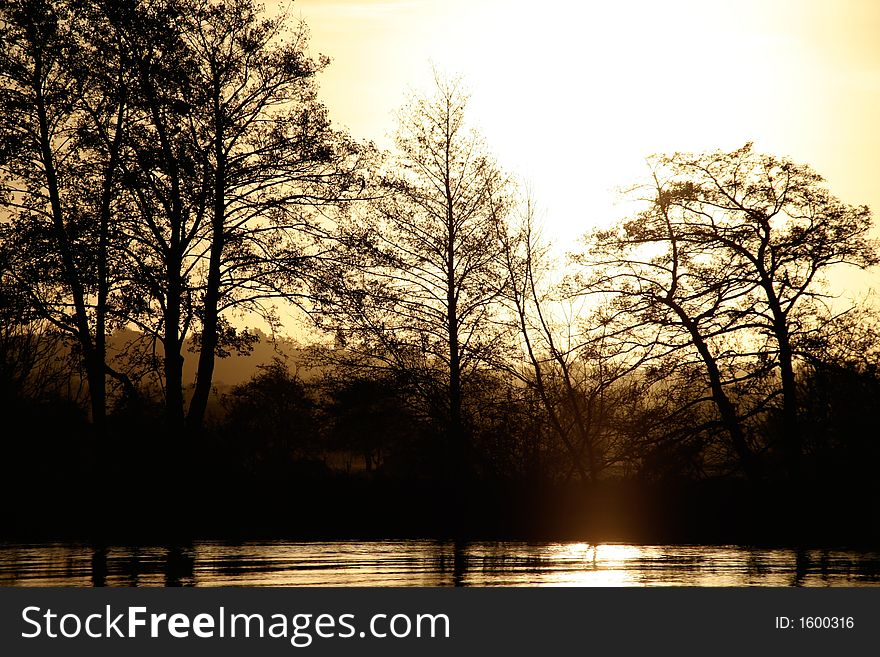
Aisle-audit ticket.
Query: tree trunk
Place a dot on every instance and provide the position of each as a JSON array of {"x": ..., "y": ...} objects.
[
  {"x": 729, "y": 417},
  {"x": 210, "y": 313},
  {"x": 173, "y": 369},
  {"x": 457, "y": 439},
  {"x": 93, "y": 355},
  {"x": 790, "y": 434}
]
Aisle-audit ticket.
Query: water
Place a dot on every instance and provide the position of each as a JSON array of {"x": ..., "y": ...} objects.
[{"x": 431, "y": 563}]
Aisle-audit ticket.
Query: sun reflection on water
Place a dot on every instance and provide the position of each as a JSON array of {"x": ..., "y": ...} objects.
[{"x": 430, "y": 563}]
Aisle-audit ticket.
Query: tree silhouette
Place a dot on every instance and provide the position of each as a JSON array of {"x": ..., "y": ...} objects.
[
  {"x": 63, "y": 106},
  {"x": 667, "y": 298},
  {"x": 730, "y": 255},
  {"x": 428, "y": 267},
  {"x": 164, "y": 181},
  {"x": 579, "y": 372},
  {"x": 270, "y": 422},
  {"x": 270, "y": 157},
  {"x": 771, "y": 224},
  {"x": 230, "y": 154}
]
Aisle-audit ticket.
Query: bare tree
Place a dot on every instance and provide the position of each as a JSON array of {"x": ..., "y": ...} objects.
[
  {"x": 231, "y": 153},
  {"x": 728, "y": 259},
  {"x": 770, "y": 224},
  {"x": 270, "y": 157},
  {"x": 579, "y": 369},
  {"x": 666, "y": 297},
  {"x": 63, "y": 109},
  {"x": 429, "y": 271}
]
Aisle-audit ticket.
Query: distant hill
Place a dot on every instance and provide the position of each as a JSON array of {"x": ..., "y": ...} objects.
[{"x": 235, "y": 368}]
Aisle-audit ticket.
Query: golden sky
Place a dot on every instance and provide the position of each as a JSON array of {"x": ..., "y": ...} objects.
[{"x": 571, "y": 96}]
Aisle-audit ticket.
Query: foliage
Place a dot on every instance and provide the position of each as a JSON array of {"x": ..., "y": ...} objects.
[{"x": 270, "y": 422}]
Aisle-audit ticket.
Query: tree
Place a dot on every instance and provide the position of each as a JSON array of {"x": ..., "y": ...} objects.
[
  {"x": 62, "y": 127},
  {"x": 771, "y": 224},
  {"x": 575, "y": 367},
  {"x": 369, "y": 418},
  {"x": 162, "y": 183},
  {"x": 271, "y": 422},
  {"x": 666, "y": 298},
  {"x": 428, "y": 267},
  {"x": 269, "y": 155},
  {"x": 231, "y": 154},
  {"x": 731, "y": 253}
]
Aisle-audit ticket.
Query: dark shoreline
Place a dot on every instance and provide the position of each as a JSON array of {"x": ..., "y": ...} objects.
[{"x": 717, "y": 512}]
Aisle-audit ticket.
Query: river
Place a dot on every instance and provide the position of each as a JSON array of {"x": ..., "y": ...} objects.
[{"x": 431, "y": 563}]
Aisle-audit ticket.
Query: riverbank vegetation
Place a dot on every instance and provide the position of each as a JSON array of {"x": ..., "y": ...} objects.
[{"x": 169, "y": 178}]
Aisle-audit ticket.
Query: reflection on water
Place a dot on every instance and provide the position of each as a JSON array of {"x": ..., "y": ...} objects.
[{"x": 430, "y": 563}]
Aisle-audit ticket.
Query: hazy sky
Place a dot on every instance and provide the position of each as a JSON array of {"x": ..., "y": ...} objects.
[{"x": 571, "y": 96}]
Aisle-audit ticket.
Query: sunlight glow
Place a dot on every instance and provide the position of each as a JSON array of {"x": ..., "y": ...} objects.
[{"x": 572, "y": 96}]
